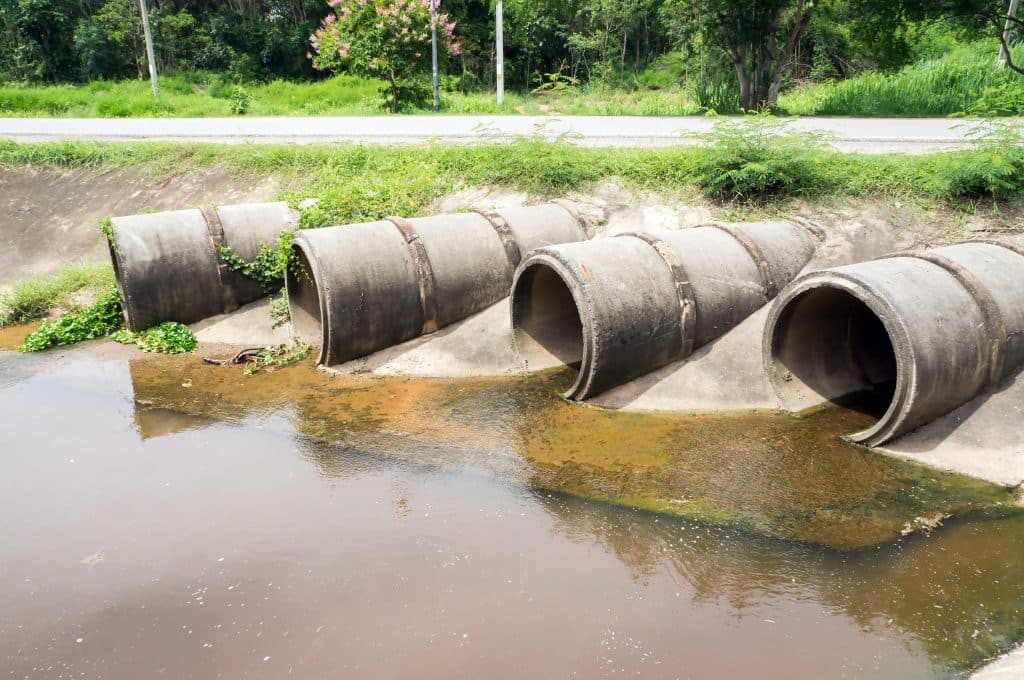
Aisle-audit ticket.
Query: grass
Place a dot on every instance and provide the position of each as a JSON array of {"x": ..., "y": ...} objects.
[
  {"x": 196, "y": 95},
  {"x": 359, "y": 183},
  {"x": 963, "y": 81},
  {"x": 36, "y": 298}
]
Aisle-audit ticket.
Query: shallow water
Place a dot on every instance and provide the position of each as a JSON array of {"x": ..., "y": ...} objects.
[{"x": 295, "y": 524}]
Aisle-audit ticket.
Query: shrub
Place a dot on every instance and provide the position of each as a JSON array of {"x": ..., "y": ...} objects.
[
  {"x": 240, "y": 100},
  {"x": 994, "y": 168},
  {"x": 758, "y": 156},
  {"x": 384, "y": 39}
]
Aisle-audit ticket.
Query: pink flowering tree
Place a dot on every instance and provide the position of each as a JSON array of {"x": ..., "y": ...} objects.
[{"x": 385, "y": 39}]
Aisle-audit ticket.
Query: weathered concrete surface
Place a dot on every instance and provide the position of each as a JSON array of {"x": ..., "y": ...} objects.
[
  {"x": 983, "y": 438},
  {"x": 624, "y": 306},
  {"x": 728, "y": 373},
  {"x": 250, "y": 325},
  {"x": 679, "y": 386},
  {"x": 480, "y": 345},
  {"x": 366, "y": 287},
  {"x": 1009, "y": 667},
  {"x": 50, "y": 219},
  {"x": 169, "y": 267},
  {"x": 723, "y": 375}
]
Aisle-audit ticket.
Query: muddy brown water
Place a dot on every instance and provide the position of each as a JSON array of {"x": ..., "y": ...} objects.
[{"x": 297, "y": 525}]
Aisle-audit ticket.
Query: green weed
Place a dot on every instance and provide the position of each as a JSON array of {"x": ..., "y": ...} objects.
[
  {"x": 280, "y": 313},
  {"x": 277, "y": 357},
  {"x": 97, "y": 320},
  {"x": 169, "y": 337}
]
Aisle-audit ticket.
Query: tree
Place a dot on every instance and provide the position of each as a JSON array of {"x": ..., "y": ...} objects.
[
  {"x": 385, "y": 39},
  {"x": 760, "y": 37},
  {"x": 110, "y": 44},
  {"x": 43, "y": 35},
  {"x": 992, "y": 14}
]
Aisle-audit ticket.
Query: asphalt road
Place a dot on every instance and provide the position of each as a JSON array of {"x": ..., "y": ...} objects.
[{"x": 872, "y": 135}]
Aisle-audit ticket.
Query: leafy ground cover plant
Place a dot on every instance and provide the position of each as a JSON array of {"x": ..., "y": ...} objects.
[
  {"x": 95, "y": 321},
  {"x": 169, "y": 337}
]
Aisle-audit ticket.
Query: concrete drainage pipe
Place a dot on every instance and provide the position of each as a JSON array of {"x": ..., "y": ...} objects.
[
  {"x": 168, "y": 265},
  {"x": 911, "y": 336},
  {"x": 365, "y": 287},
  {"x": 619, "y": 308}
]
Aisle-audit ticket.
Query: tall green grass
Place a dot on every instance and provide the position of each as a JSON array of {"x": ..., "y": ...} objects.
[
  {"x": 757, "y": 163},
  {"x": 964, "y": 81},
  {"x": 196, "y": 95},
  {"x": 191, "y": 95},
  {"x": 34, "y": 298}
]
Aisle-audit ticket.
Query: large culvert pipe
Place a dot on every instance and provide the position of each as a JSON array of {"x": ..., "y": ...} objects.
[
  {"x": 908, "y": 337},
  {"x": 619, "y": 308},
  {"x": 364, "y": 287},
  {"x": 168, "y": 265}
]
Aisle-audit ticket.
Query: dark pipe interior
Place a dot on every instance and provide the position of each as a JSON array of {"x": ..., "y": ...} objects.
[
  {"x": 304, "y": 301},
  {"x": 830, "y": 342},
  {"x": 547, "y": 322}
]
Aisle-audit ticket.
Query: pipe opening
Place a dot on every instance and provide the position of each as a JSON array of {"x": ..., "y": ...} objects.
[
  {"x": 827, "y": 342},
  {"x": 545, "y": 320},
  {"x": 304, "y": 301}
]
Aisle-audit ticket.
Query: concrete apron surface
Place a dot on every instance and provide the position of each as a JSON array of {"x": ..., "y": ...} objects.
[{"x": 1008, "y": 667}]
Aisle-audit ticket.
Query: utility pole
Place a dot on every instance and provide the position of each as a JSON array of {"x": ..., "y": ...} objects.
[
  {"x": 1004, "y": 52},
  {"x": 149, "y": 49},
  {"x": 499, "y": 16},
  {"x": 433, "y": 52}
]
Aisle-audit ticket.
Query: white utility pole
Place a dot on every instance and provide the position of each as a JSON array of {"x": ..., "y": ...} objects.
[
  {"x": 433, "y": 52},
  {"x": 149, "y": 49},
  {"x": 500, "y": 50},
  {"x": 1011, "y": 13}
]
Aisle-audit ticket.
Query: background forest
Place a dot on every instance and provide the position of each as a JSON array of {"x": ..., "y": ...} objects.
[{"x": 856, "y": 57}]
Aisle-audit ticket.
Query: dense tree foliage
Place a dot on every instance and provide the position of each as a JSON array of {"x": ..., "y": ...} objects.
[
  {"x": 732, "y": 52},
  {"x": 385, "y": 39}
]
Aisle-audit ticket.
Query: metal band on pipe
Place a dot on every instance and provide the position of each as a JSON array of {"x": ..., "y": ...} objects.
[
  {"x": 771, "y": 287},
  {"x": 995, "y": 325},
  {"x": 508, "y": 239},
  {"x": 569, "y": 207},
  {"x": 424, "y": 272},
  {"x": 215, "y": 227},
  {"x": 684, "y": 290},
  {"x": 810, "y": 226},
  {"x": 1012, "y": 247}
]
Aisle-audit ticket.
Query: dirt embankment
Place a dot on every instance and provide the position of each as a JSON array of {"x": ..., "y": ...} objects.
[{"x": 50, "y": 219}]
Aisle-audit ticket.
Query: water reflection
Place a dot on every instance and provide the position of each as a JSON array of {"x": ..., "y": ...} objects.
[
  {"x": 334, "y": 507},
  {"x": 764, "y": 472},
  {"x": 959, "y": 594}
]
